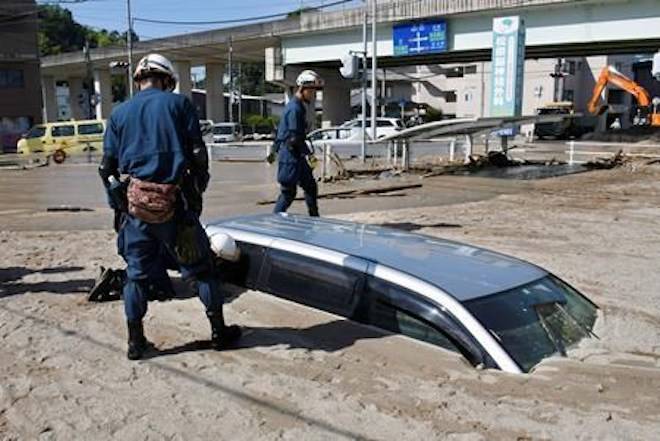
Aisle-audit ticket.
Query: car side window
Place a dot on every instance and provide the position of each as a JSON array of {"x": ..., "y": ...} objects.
[
  {"x": 311, "y": 282},
  {"x": 62, "y": 131},
  {"x": 383, "y": 312},
  {"x": 90, "y": 129}
]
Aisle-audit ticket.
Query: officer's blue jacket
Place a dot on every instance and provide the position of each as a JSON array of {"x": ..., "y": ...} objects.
[
  {"x": 291, "y": 161},
  {"x": 151, "y": 134},
  {"x": 293, "y": 123}
]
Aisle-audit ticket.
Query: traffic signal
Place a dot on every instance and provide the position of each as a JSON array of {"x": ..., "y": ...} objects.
[{"x": 350, "y": 66}]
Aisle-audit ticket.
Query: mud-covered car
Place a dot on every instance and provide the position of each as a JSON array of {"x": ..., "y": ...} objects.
[{"x": 497, "y": 311}]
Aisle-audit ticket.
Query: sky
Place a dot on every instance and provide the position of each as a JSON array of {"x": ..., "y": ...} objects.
[{"x": 111, "y": 14}]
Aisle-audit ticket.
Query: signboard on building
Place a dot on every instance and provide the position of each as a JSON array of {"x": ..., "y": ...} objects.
[
  {"x": 508, "y": 64},
  {"x": 420, "y": 37}
]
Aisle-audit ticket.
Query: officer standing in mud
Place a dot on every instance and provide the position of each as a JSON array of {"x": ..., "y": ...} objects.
[
  {"x": 155, "y": 139},
  {"x": 290, "y": 144}
]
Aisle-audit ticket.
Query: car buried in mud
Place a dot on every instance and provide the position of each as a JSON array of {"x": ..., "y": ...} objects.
[{"x": 497, "y": 311}]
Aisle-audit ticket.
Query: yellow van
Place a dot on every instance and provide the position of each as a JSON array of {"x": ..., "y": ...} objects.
[{"x": 65, "y": 136}]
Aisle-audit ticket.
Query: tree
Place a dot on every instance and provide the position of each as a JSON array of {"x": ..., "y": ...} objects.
[{"x": 59, "y": 32}]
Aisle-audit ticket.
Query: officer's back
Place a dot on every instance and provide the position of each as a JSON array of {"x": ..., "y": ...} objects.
[{"x": 151, "y": 132}]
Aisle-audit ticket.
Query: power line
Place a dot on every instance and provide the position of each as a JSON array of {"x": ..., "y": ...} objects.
[{"x": 237, "y": 20}]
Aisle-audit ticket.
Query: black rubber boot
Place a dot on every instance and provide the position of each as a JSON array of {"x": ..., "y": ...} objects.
[
  {"x": 137, "y": 343},
  {"x": 222, "y": 336}
]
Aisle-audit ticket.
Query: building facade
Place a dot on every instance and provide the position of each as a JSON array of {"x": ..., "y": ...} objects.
[
  {"x": 20, "y": 85},
  {"x": 463, "y": 90}
]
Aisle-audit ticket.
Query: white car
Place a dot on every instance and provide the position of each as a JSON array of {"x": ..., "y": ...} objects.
[
  {"x": 227, "y": 132},
  {"x": 385, "y": 126},
  {"x": 345, "y": 141}
]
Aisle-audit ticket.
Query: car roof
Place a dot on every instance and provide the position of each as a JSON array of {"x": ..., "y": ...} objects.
[{"x": 461, "y": 270}]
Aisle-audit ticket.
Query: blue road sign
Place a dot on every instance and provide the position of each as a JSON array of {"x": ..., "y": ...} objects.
[{"x": 420, "y": 37}]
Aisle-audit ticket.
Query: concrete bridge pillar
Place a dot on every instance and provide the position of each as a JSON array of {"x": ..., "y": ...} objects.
[
  {"x": 103, "y": 92},
  {"x": 49, "y": 98},
  {"x": 336, "y": 104},
  {"x": 336, "y": 98},
  {"x": 184, "y": 83},
  {"x": 75, "y": 95},
  {"x": 215, "y": 100}
]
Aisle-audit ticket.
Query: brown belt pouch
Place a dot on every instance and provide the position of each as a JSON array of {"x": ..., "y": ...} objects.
[{"x": 150, "y": 202}]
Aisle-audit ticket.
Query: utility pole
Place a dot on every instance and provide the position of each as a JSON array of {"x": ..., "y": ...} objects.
[
  {"x": 129, "y": 45},
  {"x": 90, "y": 81},
  {"x": 363, "y": 79},
  {"x": 231, "y": 84},
  {"x": 374, "y": 67},
  {"x": 240, "y": 95},
  {"x": 383, "y": 92}
]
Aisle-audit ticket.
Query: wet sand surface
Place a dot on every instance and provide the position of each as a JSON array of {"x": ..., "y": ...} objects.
[{"x": 303, "y": 374}]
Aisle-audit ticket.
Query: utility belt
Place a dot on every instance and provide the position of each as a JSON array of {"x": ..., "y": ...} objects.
[{"x": 151, "y": 202}]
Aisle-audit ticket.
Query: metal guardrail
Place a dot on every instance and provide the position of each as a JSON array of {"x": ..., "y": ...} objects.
[{"x": 577, "y": 149}]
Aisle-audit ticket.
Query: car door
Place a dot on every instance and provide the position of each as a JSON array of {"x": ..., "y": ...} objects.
[
  {"x": 90, "y": 135},
  {"x": 313, "y": 281},
  {"x": 62, "y": 136},
  {"x": 396, "y": 309}
]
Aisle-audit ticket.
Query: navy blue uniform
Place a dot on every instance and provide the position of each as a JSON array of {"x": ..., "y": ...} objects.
[
  {"x": 293, "y": 169},
  {"x": 151, "y": 138}
]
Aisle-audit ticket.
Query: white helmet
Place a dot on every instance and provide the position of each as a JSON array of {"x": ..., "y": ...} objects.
[
  {"x": 155, "y": 64},
  {"x": 309, "y": 78},
  {"x": 224, "y": 246}
]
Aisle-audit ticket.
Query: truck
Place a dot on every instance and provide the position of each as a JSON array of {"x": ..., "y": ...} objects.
[{"x": 573, "y": 127}]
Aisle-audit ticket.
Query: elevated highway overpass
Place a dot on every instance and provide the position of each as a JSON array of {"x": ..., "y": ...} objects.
[{"x": 319, "y": 39}]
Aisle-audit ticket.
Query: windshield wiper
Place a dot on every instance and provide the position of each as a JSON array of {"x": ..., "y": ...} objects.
[
  {"x": 559, "y": 345},
  {"x": 575, "y": 321}
]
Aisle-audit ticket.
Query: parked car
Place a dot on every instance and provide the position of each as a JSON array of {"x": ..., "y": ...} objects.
[
  {"x": 264, "y": 132},
  {"x": 63, "y": 137},
  {"x": 385, "y": 126},
  {"x": 497, "y": 311},
  {"x": 345, "y": 141},
  {"x": 227, "y": 132},
  {"x": 205, "y": 126}
]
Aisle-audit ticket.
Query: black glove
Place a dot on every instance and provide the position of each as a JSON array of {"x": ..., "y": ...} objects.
[{"x": 187, "y": 251}]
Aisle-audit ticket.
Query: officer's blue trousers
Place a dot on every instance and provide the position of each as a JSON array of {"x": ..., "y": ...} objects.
[
  {"x": 290, "y": 176},
  {"x": 143, "y": 247}
]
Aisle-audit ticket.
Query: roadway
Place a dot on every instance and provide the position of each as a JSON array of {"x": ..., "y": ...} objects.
[{"x": 235, "y": 188}]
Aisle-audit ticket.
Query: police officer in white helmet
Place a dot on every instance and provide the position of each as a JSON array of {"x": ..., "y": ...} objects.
[
  {"x": 292, "y": 149},
  {"x": 155, "y": 139}
]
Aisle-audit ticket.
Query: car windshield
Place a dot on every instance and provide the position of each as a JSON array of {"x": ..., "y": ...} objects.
[
  {"x": 36, "y": 132},
  {"x": 536, "y": 320},
  {"x": 223, "y": 130}
]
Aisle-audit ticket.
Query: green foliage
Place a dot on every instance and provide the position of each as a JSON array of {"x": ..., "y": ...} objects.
[
  {"x": 432, "y": 114},
  {"x": 59, "y": 32},
  {"x": 252, "y": 80},
  {"x": 255, "y": 120}
]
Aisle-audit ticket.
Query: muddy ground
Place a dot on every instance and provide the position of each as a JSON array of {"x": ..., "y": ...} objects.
[{"x": 303, "y": 374}]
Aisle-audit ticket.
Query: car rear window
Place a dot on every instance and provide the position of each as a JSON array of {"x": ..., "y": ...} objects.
[
  {"x": 62, "y": 131},
  {"x": 90, "y": 129},
  {"x": 536, "y": 320}
]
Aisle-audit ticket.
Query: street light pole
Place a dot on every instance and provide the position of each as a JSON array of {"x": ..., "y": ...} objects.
[
  {"x": 231, "y": 82},
  {"x": 363, "y": 79},
  {"x": 374, "y": 67},
  {"x": 129, "y": 44}
]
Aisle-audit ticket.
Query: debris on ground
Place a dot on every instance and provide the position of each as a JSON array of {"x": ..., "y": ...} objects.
[
  {"x": 607, "y": 163},
  {"x": 636, "y": 134},
  {"x": 68, "y": 208}
]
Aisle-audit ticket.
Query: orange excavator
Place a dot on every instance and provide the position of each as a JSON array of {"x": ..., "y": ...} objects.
[{"x": 648, "y": 109}]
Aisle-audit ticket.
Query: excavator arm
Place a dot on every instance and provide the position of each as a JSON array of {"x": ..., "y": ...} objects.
[{"x": 610, "y": 75}]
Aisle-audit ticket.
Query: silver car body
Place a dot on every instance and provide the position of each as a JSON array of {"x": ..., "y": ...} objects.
[{"x": 444, "y": 272}]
